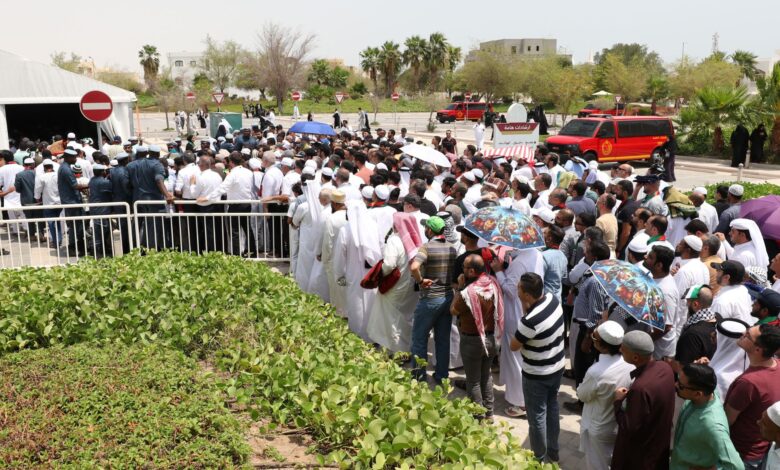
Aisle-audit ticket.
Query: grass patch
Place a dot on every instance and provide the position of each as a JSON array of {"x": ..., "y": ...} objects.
[{"x": 113, "y": 407}]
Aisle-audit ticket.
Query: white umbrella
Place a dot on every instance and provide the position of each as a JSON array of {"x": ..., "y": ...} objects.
[
  {"x": 426, "y": 154},
  {"x": 602, "y": 93}
]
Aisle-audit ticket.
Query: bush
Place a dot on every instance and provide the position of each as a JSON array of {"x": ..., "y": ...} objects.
[
  {"x": 113, "y": 407},
  {"x": 695, "y": 144},
  {"x": 289, "y": 356},
  {"x": 752, "y": 190}
]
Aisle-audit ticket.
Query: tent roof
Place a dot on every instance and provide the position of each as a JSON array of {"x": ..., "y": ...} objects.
[{"x": 24, "y": 81}]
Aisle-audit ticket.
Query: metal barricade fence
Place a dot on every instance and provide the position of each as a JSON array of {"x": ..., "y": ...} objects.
[
  {"x": 251, "y": 229},
  {"x": 60, "y": 234}
]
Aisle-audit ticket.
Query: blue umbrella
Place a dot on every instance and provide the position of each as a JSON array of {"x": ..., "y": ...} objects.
[
  {"x": 312, "y": 127},
  {"x": 632, "y": 289},
  {"x": 506, "y": 227}
]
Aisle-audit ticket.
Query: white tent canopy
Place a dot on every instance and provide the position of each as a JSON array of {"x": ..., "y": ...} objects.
[{"x": 25, "y": 82}]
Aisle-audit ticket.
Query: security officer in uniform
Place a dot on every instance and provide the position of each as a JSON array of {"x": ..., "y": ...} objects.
[
  {"x": 25, "y": 186},
  {"x": 70, "y": 193},
  {"x": 122, "y": 192},
  {"x": 147, "y": 178},
  {"x": 101, "y": 190}
]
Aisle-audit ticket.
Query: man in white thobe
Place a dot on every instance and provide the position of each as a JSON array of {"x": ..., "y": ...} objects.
[
  {"x": 598, "y": 428},
  {"x": 511, "y": 374},
  {"x": 707, "y": 212},
  {"x": 692, "y": 272},
  {"x": 333, "y": 225},
  {"x": 749, "y": 248},
  {"x": 732, "y": 301},
  {"x": 357, "y": 249},
  {"x": 381, "y": 212},
  {"x": 479, "y": 135}
]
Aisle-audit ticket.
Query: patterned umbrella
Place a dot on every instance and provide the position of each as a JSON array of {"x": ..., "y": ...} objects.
[
  {"x": 632, "y": 289},
  {"x": 506, "y": 227}
]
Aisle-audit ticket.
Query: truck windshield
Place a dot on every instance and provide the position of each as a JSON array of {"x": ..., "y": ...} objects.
[
  {"x": 452, "y": 106},
  {"x": 579, "y": 128}
]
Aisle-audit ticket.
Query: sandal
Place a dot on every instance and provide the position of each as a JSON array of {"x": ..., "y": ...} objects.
[{"x": 515, "y": 411}]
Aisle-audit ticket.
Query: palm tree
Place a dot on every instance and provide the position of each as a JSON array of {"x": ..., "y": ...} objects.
[
  {"x": 657, "y": 89},
  {"x": 453, "y": 57},
  {"x": 769, "y": 92},
  {"x": 150, "y": 61},
  {"x": 747, "y": 64},
  {"x": 369, "y": 62},
  {"x": 414, "y": 56},
  {"x": 390, "y": 62},
  {"x": 319, "y": 72},
  {"x": 716, "y": 107},
  {"x": 436, "y": 57}
]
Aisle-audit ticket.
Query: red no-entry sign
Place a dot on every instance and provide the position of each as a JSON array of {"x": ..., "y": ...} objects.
[
  {"x": 96, "y": 106},
  {"x": 296, "y": 96},
  {"x": 395, "y": 96}
]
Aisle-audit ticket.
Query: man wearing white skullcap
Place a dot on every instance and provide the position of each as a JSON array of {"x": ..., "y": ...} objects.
[
  {"x": 707, "y": 212},
  {"x": 748, "y": 244},
  {"x": 769, "y": 426},
  {"x": 637, "y": 250},
  {"x": 381, "y": 212},
  {"x": 692, "y": 272},
  {"x": 597, "y": 392}
]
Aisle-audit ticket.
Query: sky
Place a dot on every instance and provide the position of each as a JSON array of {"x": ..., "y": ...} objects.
[{"x": 112, "y": 32}]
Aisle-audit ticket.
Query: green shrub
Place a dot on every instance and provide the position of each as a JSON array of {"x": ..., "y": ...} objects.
[
  {"x": 288, "y": 355},
  {"x": 113, "y": 407},
  {"x": 752, "y": 190}
]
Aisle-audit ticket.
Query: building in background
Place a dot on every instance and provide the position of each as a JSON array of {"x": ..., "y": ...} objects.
[
  {"x": 526, "y": 48},
  {"x": 184, "y": 66}
]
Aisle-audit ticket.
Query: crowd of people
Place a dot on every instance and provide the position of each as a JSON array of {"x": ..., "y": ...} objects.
[{"x": 383, "y": 237}]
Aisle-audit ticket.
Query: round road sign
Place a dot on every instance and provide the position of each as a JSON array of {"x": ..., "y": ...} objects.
[
  {"x": 296, "y": 96},
  {"x": 467, "y": 95},
  {"x": 96, "y": 106},
  {"x": 395, "y": 96}
]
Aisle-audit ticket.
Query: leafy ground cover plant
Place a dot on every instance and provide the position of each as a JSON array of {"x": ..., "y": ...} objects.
[
  {"x": 288, "y": 357},
  {"x": 115, "y": 406},
  {"x": 752, "y": 190}
]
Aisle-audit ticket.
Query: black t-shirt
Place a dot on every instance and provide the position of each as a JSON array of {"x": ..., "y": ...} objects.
[
  {"x": 698, "y": 340},
  {"x": 626, "y": 211},
  {"x": 428, "y": 208}
]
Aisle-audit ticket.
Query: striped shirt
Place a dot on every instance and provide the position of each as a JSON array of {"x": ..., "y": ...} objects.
[
  {"x": 541, "y": 333},
  {"x": 437, "y": 258}
]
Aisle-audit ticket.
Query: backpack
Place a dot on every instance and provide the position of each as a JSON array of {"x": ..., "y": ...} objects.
[{"x": 679, "y": 204}]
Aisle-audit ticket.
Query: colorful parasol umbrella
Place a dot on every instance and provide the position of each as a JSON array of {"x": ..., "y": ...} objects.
[
  {"x": 765, "y": 212},
  {"x": 506, "y": 227},
  {"x": 632, "y": 289},
  {"x": 312, "y": 127}
]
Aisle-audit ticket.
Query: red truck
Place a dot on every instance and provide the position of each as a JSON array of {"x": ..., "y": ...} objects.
[{"x": 463, "y": 111}]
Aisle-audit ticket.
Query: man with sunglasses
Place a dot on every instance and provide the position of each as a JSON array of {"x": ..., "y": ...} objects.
[{"x": 701, "y": 437}]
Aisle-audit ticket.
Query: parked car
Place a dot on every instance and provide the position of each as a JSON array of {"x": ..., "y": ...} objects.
[
  {"x": 613, "y": 138},
  {"x": 463, "y": 111}
]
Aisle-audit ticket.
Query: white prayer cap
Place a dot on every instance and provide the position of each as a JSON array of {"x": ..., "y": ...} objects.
[
  {"x": 47, "y": 162},
  {"x": 694, "y": 242},
  {"x": 469, "y": 175},
  {"x": 520, "y": 178},
  {"x": 593, "y": 165},
  {"x": 98, "y": 167},
  {"x": 170, "y": 162},
  {"x": 382, "y": 192},
  {"x": 244, "y": 151},
  {"x": 639, "y": 243},
  {"x": 478, "y": 173},
  {"x": 121, "y": 155},
  {"x": 367, "y": 192},
  {"x": 221, "y": 138},
  {"x": 327, "y": 171},
  {"x": 310, "y": 164},
  {"x": 255, "y": 164},
  {"x": 545, "y": 214},
  {"x": 773, "y": 413},
  {"x": 736, "y": 190},
  {"x": 288, "y": 162},
  {"x": 114, "y": 162},
  {"x": 381, "y": 166},
  {"x": 224, "y": 153},
  {"x": 71, "y": 135},
  {"x": 611, "y": 332},
  {"x": 29, "y": 161},
  {"x": 155, "y": 148},
  {"x": 308, "y": 171},
  {"x": 141, "y": 148},
  {"x": 75, "y": 146},
  {"x": 700, "y": 190},
  {"x": 133, "y": 137}
]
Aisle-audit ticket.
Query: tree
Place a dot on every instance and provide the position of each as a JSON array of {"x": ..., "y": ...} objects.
[
  {"x": 318, "y": 72},
  {"x": 220, "y": 62},
  {"x": 769, "y": 93},
  {"x": 150, "y": 61},
  {"x": 390, "y": 65},
  {"x": 715, "y": 107},
  {"x": 369, "y": 62},
  {"x": 568, "y": 85},
  {"x": 489, "y": 74},
  {"x": 632, "y": 53},
  {"x": 746, "y": 61},
  {"x": 453, "y": 59},
  {"x": 167, "y": 93},
  {"x": 337, "y": 77},
  {"x": 657, "y": 89},
  {"x": 283, "y": 53},
  {"x": 317, "y": 92},
  {"x": 120, "y": 78},
  {"x": 436, "y": 59},
  {"x": 71, "y": 64},
  {"x": 250, "y": 74},
  {"x": 687, "y": 78},
  {"x": 626, "y": 80},
  {"x": 414, "y": 57}
]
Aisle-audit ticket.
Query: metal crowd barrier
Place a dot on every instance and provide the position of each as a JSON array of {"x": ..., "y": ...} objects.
[
  {"x": 54, "y": 235},
  {"x": 251, "y": 229}
]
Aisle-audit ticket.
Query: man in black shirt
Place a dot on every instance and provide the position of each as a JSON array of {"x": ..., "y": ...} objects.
[
  {"x": 697, "y": 338},
  {"x": 623, "y": 191}
]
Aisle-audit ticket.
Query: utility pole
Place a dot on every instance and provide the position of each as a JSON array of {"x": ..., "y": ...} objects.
[{"x": 715, "y": 38}]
